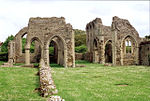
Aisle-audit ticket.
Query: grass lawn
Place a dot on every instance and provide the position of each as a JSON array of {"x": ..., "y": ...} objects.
[{"x": 94, "y": 82}]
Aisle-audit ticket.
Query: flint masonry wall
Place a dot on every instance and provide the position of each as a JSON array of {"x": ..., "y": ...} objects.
[
  {"x": 108, "y": 43},
  {"x": 43, "y": 31},
  {"x": 144, "y": 53}
]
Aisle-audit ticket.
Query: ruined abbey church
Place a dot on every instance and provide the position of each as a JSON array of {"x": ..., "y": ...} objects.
[{"x": 118, "y": 44}]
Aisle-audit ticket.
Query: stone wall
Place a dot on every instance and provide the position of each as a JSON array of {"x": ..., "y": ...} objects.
[
  {"x": 47, "y": 87},
  {"x": 42, "y": 31},
  {"x": 144, "y": 53},
  {"x": 79, "y": 56},
  {"x": 98, "y": 36}
]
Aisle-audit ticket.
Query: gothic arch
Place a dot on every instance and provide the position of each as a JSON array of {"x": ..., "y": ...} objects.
[
  {"x": 108, "y": 51},
  {"x": 62, "y": 49},
  {"x": 128, "y": 52}
]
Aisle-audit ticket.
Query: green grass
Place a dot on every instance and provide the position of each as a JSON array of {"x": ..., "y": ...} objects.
[
  {"x": 18, "y": 84},
  {"x": 94, "y": 82}
]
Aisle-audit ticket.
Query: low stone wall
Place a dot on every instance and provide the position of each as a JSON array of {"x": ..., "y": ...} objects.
[
  {"x": 84, "y": 56},
  {"x": 47, "y": 86},
  {"x": 79, "y": 56},
  {"x": 88, "y": 56}
]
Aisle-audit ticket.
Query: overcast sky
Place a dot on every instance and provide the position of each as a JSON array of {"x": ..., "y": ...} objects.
[{"x": 15, "y": 14}]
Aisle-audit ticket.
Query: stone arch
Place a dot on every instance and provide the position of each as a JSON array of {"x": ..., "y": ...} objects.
[
  {"x": 21, "y": 44},
  {"x": 129, "y": 57},
  {"x": 62, "y": 49},
  {"x": 108, "y": 51},
  {"x": 95, "y": 51},
  {"x": 18, "y": 40},
  {"x": 27, "y": 49}
]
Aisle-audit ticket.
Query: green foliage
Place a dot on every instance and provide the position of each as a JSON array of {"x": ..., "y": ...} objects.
[
  {"x": 147, "y": 36},
  {"x": 128, "y": 49},
  {"x": 80, "y": 37},
  {"x": 23, "y": 44},
  {"x": 81, "y": 49},
  {"x": 4, "y": 47},
  {"x": 51, "y": 50},
  {"x": 3, "y": 56},
  {"x": 32, "y": 47}
]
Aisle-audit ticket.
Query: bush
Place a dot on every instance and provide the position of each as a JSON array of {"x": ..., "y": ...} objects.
[
  {"x": 4, "y": 47},
  {"x": 3, "y": 56},
  {"x": 51, "y": 50},
  {"x": 80, "y": 37},
  {"x": 81, "y": 49}
]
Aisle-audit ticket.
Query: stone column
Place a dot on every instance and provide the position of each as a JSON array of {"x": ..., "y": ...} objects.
[
  {"x": 11, "y": 52},
  {"x": 27, "y": 56},
  {"x": 58, "y": 58},
  {"x": 65, "y": 57},
  {"x": 137, "y": 55},
  {"x": 73, "y": 51},
  {"x": 114, "y": 46}
]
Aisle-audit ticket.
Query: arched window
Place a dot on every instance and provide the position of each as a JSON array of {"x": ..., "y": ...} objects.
[{"x": 128, "y": 46}]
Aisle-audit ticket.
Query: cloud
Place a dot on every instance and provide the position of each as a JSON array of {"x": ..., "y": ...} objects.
[{"x": 15, "y": 14}]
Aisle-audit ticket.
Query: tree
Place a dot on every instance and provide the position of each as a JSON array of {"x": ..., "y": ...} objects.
[
  {"x": 80, "y": 37},
  {"x": 5, "y": 44},
  {"x": 147, "y": 36}
]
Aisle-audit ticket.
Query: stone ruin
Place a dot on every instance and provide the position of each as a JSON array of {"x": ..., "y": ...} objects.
[
  {"x": 43, "y": 31},
  {"x": 144, "y": 51},
  {"x": 117, "y": 44}
]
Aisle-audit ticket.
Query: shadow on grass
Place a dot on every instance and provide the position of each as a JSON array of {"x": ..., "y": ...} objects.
[
  {"x": 82, "y": 62},
  {"x": 54, "y": 65}
]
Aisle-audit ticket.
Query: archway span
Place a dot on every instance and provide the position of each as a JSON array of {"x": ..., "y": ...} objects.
[
  {"x": 108, "y": 51},
  {"x": 95, "y": 51},
  {"x": 128, "y": 50},
  {"x": 37, "y": 54},
  {"x": 61, "y": 50}
]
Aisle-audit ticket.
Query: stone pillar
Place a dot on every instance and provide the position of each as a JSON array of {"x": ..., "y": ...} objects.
[
  {"x": 65, "y": 57},
  {"x": 27, "y": 56},
  {"x": 58, "y": 58},
  {"x": 73, "y": 50},
  {"x": 11, "y": 53},
  {"x": 114, "y": 46},
  {"x": 137, "y": 55}
]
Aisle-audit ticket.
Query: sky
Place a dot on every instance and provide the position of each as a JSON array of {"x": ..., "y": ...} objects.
[{"x": 15, "y": 14}]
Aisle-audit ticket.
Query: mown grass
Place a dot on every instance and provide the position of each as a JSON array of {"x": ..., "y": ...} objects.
[
  {"x": 94, "y": 82},
  {"x": 18, "y": 84}
]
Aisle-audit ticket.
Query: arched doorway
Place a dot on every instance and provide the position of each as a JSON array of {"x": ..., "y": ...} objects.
[
  {"x": 33, "y": 51},
  {"x": 57, "y": 52},
  {"x": 108, "y": 52},
  {"x": 95, "y": 52},
  {"x": 53, "y": 52}
]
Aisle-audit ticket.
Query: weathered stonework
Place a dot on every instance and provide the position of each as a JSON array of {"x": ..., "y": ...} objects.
[
  {"x": 145, "y": 53},
  {"x": 47, "y": 86},
  {"x": 43, "y": 31},
  {"x": 106, "y": 44}
]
